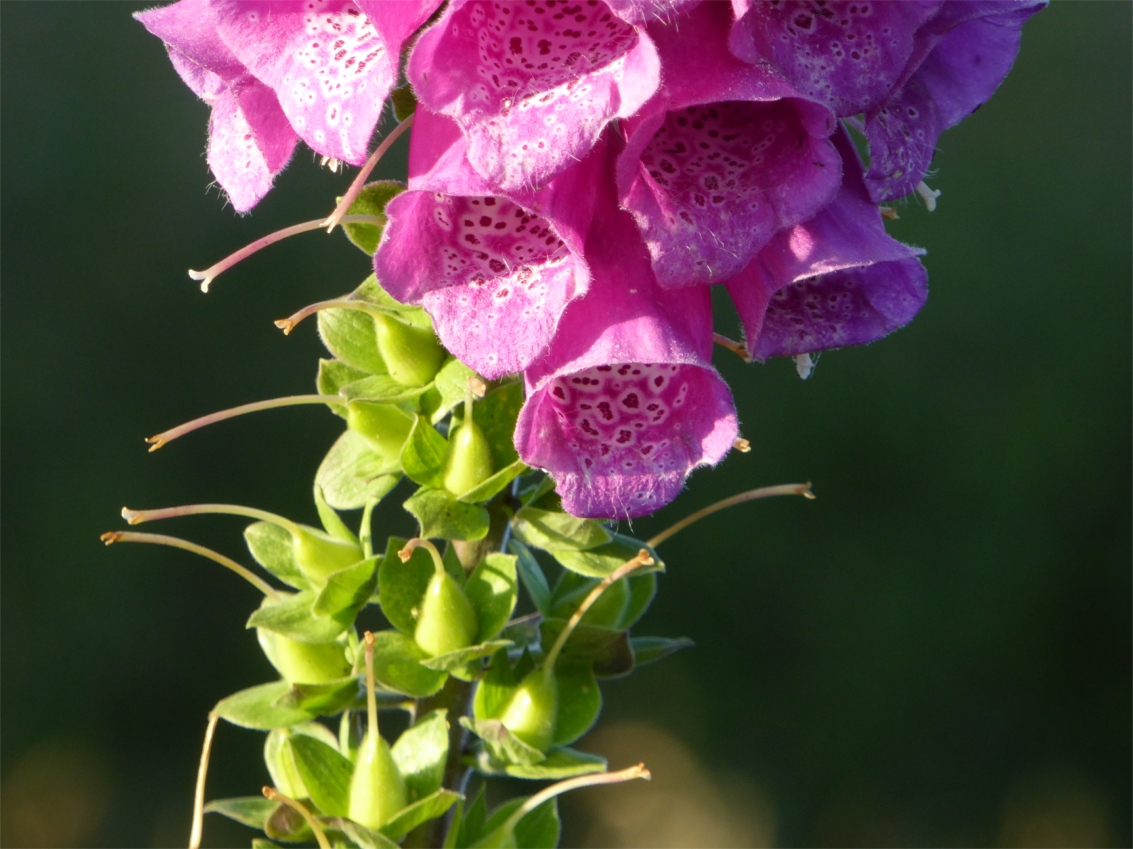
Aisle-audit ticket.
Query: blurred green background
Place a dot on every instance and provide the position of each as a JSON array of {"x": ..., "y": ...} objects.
[{"x": 935, "y": 652}]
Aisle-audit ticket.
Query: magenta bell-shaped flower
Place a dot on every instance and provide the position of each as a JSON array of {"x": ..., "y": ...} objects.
[
  {"x": 625, "y": 403},
  {"x": 495, "y": 272},
  {"x": 833, "y": 281},
  {"x": 723, "y": 157}
]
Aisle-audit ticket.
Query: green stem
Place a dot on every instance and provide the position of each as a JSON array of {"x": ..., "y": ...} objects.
[
  {"x": 255, "y": 580},
  {"x": 415, "y": 543},
  {"x": 199, "y": 793},
  {"x": 641, "y": 559},
  {"x": 232, "y": 412},
  {"x": 212, "y": 272},
  {"x": 301, "y": 809},
  {"x": 136, "y": 517},
  {"x": 802, "y": 489}
]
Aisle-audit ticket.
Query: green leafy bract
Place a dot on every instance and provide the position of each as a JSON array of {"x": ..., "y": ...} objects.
[
  {"x": 292, "y": 617},
  {"x": 397, "y": 665},
  {"x": 251, "y": 811},
  {"x": 350, "y": 335},
  {"x": 333, "y": 376},
  {"x": 420, "y": 754},
  {"x": 448, "y": 391},
  {"x": 353, "y": 473},
  {"x": 325, "y": 772},
  {"x": 554, "y": 531},
  {"x": 502, "y": 746},
  {"x": 423, "y": 810},
  {"x": 531, "y": 574},
  {"x": 323, "y": 699},
  {"x": 496, "y": 413},
  {"x": 347, "y": 591},
  {"x": 492, "y": 590},
  {"x": 271, "y": 546},
  {"x": 255, "y": 708},
  {"x": 651, "y": 649},
  {"x": 371, "y": 200},
  {"x": 495, "y": 484},
  {"x": 561, "y": 762},
  {"x": 440, "y": 515},
  {"x": 423, "y": 455}
]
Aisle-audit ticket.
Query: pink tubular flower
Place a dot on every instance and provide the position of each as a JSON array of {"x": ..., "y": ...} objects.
[
  {"x": 625, "y": 403},
  {"x": 494, "y": 272},
  {"x": 250, "y": 140},
  {"x": 834, "y": 281},
  {"x": 533, "y": 84},
  {"x": 278, "y": 70},
  {"x": 723, "y": 157}
]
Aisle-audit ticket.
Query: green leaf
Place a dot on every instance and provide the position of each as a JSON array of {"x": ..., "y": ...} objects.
[
  {"x": 397, "y": 665},
  {"x": 449, "y": 387},
  {"x": 560, "y": 763},
  {"x": 580, "y": 702},
  {"x": 498, "y": 685},
  {"x": 401, "y": 586},
  {"x": 325, "y": 773},
  {"x": 455, "y": 660},
  {"x": 492, "y": 589},
  {"x": 371, "y": 200},
  {"x": 350, "y": 335},
  {"x": 591, "y": 644},
  {"x": 496, "y": 413},
  {"x": 531, "y": 574},
  {"x": 322, "y": 699},
  {"x": 347, "y": 591},
  {"x": 601, "y": 561},
  {"x": 495, "y": 484},
  {"x": 359, "y": 835},
  {"x": 353, "y": 473},
  {"x": 642, "y": 589},
  {"x": 404, "y": 102},
  {"x": 420, "y": 754},
  {"x": 333, "y": 375},
  {"x": 255, "y": 708},
  {"x": 251, "y": 811},
  {"x": 429, "y": 808},
  {"x": 524, "y": 631},
  {"x": 423, "y": 455},
  {"x": 293, "y": 618},
  {"x": 472, "y": 824},
  {"x": 538, "y": 829},
  {"x": 264, "y": 843},
  {"x": 439, "y": 514},
  {"x": 332, "y": 522},
  {"x": 555, "y": 532},
  {"x": 651, "y": 649},
  {"x": 383, "y": 389},
  {"x": 501, "y": 745},
  {"x": 271, "y": 546}
]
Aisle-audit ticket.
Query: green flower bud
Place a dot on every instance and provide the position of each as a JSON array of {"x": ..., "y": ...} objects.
[
  {"x": 531, "y": 713},
  {"x": 411, "y": 353},
  {"x": 377, "y": 789},
  {"x": 384, "y": 426},
  {"x": 469, "y": 461},
  {"x": 319, "y": 555},
  {"x": 446, "y": 621},
  {"x": 304, "y": 663}
]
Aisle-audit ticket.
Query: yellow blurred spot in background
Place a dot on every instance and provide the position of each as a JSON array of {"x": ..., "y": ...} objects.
[
  {"x": 1060, "y": 809},
  {"x": 56, "y": 795},
  {"x": 683, "y": 806}
]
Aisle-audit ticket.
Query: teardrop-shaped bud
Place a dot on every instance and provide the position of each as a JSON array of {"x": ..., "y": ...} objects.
[
  {"x": 377, "y": 789},
  {"x": 384, "y": 426},
  {"x": 446, "y": 621},
  {"x": 469, "y": 461},
  {"x": 411, "y": 353},
  {"x": 303, "y": 663},
  {"x": 319, "y": 555},
  {"x": 531, "y": 713}
]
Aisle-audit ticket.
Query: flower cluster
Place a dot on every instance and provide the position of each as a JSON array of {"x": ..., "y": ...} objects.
[{"x": 581, "y": 173}]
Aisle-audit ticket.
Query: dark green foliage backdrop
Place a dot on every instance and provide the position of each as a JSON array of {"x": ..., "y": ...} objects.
[{"x": 935, "y": 652}]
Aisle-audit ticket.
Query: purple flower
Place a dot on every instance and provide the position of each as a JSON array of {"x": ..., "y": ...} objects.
[
  {"x": 332, "y": 63},
  {"x": 533, "y": 84},
  {"x": 250, "y": 139},
  {"x": 277, "y": 70},
  {"x": 625, "y": 403},
  {"x": 723, "y": 157},
  {"x": 962, "y": 56},
  {"x": 495, "y": 272},
  {"x": 912, "y": 68},
  {"x": 834, "y": 281}
]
